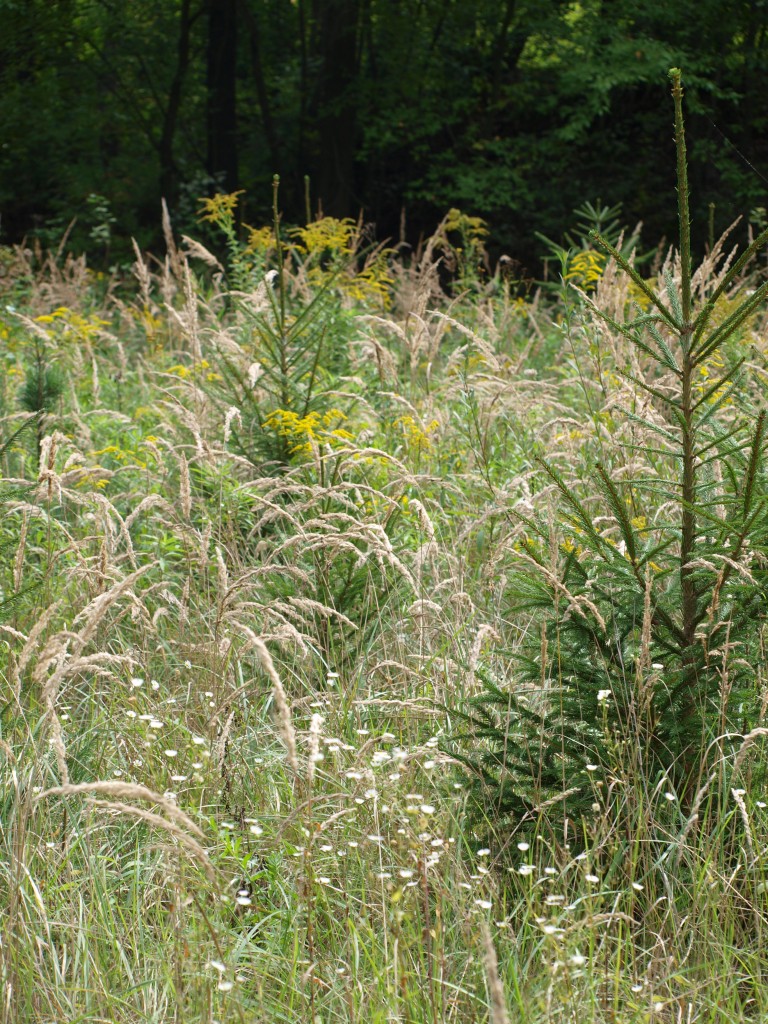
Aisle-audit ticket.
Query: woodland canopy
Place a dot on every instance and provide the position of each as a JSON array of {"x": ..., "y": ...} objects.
[{"x": 516, "y": 111}]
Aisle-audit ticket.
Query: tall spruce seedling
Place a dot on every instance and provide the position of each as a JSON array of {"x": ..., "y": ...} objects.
[
  {"x": 291, "y": 349},
  {"x": 651, "y": 625}
]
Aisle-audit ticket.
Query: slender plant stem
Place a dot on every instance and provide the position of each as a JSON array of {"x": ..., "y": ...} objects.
[{"x": 682, "y": 194}]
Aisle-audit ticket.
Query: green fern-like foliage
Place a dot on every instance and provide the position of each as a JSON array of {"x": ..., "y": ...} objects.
[{"x": 652, "y": 626}]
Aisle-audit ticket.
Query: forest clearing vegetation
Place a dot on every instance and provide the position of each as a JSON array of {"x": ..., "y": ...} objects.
[{"x": 379, "y": 648}]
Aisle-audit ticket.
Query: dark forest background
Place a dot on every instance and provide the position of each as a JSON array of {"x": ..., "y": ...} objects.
[{"x": 514, "y": 110}]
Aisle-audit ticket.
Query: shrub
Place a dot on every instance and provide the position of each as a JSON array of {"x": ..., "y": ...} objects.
[{"x": 651, "y": 596}]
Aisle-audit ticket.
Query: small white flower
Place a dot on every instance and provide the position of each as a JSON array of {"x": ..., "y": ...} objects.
[
  {"x": 484, "y": 904},
  {"x": 603, "y": 695}
]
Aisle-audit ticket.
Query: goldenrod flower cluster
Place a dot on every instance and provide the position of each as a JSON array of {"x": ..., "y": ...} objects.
[{"x": 306, "y": 432}]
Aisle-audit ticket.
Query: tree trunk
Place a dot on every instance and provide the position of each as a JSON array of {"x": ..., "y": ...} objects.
[
  {"x": 257, "y": 69},
  {"x": 337, "y": 105},
  {"x": 168, "y": 170},
  {"x": 222, "y": 92}
]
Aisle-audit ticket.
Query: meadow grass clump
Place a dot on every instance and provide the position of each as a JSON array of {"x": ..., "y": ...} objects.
[{"x": 294, "y": 506}]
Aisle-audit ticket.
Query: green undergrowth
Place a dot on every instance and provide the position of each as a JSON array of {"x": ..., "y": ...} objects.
[{"x": 274, "y": 531}]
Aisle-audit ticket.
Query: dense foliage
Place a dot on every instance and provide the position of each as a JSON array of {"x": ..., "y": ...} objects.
[
  {"x": 651, "y": 631},
  {"x": 515, "y": 111},
  {"x": 376, "y": 647}
]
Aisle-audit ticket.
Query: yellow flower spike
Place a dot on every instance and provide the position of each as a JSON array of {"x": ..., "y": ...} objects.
[
  {"x": 219, "y": 209},
  {"x": 585, "y": 268},
  {"x": 260, "y": 240},
  {"x": 472, "y": 228},
  {"x": 326, "y": 234}
]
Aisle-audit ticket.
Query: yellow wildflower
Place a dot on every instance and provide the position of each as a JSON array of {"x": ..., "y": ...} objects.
[
  {"x": 219, "y": 209},
  {"x": 260, "y": 240},
  {"x": 326, "y": 234},
  {"x": 585, "y": 268}
]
